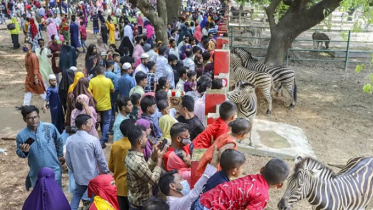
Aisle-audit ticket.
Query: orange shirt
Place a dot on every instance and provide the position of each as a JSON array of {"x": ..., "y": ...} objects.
[{"x": 215, "y": 130}]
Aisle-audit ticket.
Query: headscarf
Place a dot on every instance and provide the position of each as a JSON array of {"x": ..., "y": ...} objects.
[
  {"x": 147, "y": 151},
  {"x": 103, "y": 187},
  {"x": 67, "y": 79},
  {"x": 165, "y": 124},
  {"x": 46, "y": 193},
  {"x": 33, "y": 28},
  {"x": 78, "y": 75},
  {"x": 211, "y": 46},
  {"x": 149, "y": 30},
  {"x": 144, "y": 123},
  {"x": 203, "y": 22},
  {"x": 77, "y": 112},
  {"x": 82, "y": 88},
  {"x": 198, "y": 33},
  {"x": 174, "y": 162},
  {"x": 126, "y": 42},
  {"x": 101, "y": 46},
  {"x": 140, "y": 21}
]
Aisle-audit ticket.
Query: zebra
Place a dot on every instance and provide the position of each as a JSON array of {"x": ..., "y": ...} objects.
[
  {"x": 281, "y": 76},
  {"x": 349, "y": 189},
  {"x": 260, "y": 80}
]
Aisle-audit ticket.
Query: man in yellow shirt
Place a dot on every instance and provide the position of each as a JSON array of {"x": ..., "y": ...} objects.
[
  {"x": 101, "y": 87},
  {"x": 118, "y": 153}
]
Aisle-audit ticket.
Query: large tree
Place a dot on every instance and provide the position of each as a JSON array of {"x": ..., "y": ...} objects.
[{"x": 173, "y": 10}]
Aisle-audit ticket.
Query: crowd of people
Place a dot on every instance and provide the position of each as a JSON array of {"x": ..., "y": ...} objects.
[{"x": 145, "y": 95}]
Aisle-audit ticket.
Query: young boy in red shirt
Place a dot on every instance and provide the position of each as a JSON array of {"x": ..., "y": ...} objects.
[
  {"x": 83, "y": 35},
  {"x": 227, "y": 112},
  {"x": 249, "y": 192}
]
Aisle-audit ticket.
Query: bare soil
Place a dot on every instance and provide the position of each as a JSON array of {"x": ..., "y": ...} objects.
[{"x": 332, "y": 109}]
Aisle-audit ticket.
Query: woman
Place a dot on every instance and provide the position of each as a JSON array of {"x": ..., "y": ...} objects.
[
  {"x": 180, "y": 161},
  {"x": 163, "y": 84},
  {"x": 126, "y": 42},
  {"x": 14, "y": 33},
  {"x": 82, "y": 107},
  {"x": 104, "y": 31},
  {"x": 95, "y": 24},
  {"x": 78, "y": 75},
  {"x": 165, "y": 124},
  {"x": 55, "y": 49},
  {"x": 148, "y": 149},
  {"x": 105, "y": 193},
  {"x": 101, "y": 46},
  {"x": 51, "y": 28},
  {"x": 33, "y": 34},
  {"x": 64, "y": 29},
  {"x": 111, "y": 27},
  {"x": 66, "y": 81},
  {"x": 46, "y": 193},
  {"x": 198, "y": 33},
  {"x": 149, "y": 32},
  {"x": 140, "y": 21},
  {"x": 91, "y": 51}
]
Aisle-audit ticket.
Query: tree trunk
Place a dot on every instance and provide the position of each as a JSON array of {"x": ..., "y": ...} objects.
[
  {"x": 278, "y": 47},
  {"x": 173, "y": 10}
]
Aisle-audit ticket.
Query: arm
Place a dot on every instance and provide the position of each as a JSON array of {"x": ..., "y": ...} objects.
[
  {"x": 111, "y": 160},
  {"x": 68, "y": 158},
  {"x": 19, "y": 151},
  {"x": 100, "y": 158},
  {"x": 111, "y": 87},
  {"x": 144, "y": 171},
  {"x": 58, "y": 142},
  {"x": 225, "y": 147}
]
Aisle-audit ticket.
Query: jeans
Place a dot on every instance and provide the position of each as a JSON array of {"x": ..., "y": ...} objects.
[
  {"x": 2, "y": 19},
  {"x": 84, "y": 46},
  {"x": 15, "y": 41},
  {"x": 105, "y": 125},
  {"x": 78, "y": 194},
  {"x": 123, "y": 202},
  {"x": 112, "y": 119}
]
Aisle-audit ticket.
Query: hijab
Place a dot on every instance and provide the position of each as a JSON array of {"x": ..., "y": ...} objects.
[
  {"x": 140, "y": 21},
  {"x": 101, "y": 46},
  {"x": 33, "y": 28},
  {"x": 144, "y": 123},
  {"x": 126, "y": 43},
  {"x": 147, "y": 151},
  {"x": 46, "y": 193},
  {"x": 78, "y": 75},
  {"x": 165, "y": 124},
  {"x": 67, "y": 80},
  {"x": 102, "y": 186},
  {"x": 82, "y": 88},
  {"x": 175, "y": 162}
]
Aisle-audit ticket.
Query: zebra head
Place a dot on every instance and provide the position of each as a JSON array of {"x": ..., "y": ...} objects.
[
  {"x": 240, "y": 90},
  {"x": 235, "y": 61},
  {"x": 243, "y": 54},
  {"x": 299, "y": 184}
]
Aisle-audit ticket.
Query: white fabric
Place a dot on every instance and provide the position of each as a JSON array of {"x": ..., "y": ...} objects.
[
  {"x": 128, "y": 32},
  {"x": 188, "y": 62},
  {"x": 126, "y": 66},
  {"x": 174, "y": 51},
  {"x": 28, "y": 97},
  {"x": 160, "y": 66},
  {"x": 144, "y": 55},
  {"x": 141, "y": 67}
]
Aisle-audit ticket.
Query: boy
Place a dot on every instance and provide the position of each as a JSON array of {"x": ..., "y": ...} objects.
[
  {"x": 83, "y": 35},
  {"x": 116, "y": 58},
  {"x": 141, "y": 82},
  {"x": 227, "y": 112},
  {"x": 125, "y": 107},
  {"x": 135, "y": 100},
  {"x": 183, "y": 77},
  {"x": 152, "y": 79},
  {"x": 191, "y": 83},
  {"x": 248, "y": 192},
  {"x": 54, "y": 104},
  {"x": 148, "y": 108},
  {"x": 240, "y": 128},
  {"x": 188, "y": 62}
]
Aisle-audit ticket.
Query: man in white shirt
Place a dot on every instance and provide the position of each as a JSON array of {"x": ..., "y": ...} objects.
[
  {"x": 183, "y": 77},
  {"x": 188, "y": 62},
  {"x": 128, "y": 31},
  {"x": 169, "y": 72},
  {"x": 173, "y": 49},
  {"x": 152, "y": 54},
  {"x": 161, "y": 63},
  {"x": 142, "y": 66}
]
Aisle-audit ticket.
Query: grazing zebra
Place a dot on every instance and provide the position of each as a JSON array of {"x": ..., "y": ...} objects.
[
  {"x": 281, "y": 76},
  {"x": 260, "y": 80},
  {"x": 349, "y": 189}
]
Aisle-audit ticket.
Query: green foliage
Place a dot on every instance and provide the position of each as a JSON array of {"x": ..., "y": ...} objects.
[{"x": 368, "y": 87}]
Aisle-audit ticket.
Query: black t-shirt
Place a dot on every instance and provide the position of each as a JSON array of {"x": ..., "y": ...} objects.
[{"x": 195, "y": 125}]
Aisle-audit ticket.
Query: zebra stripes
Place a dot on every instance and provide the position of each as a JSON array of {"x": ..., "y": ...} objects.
[
  {"x": 244, "y": 96},
  {"x": 349, "y": 189},
  {"x": 281, "y": 76},
  {"x": 261, "y": 80}
]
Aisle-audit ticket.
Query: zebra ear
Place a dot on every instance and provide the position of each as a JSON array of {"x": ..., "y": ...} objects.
[{"x": 298, "y": 159}]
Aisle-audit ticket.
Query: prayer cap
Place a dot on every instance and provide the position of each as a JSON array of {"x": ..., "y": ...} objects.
[
  {"x": 144, "y": 55},
  {"x": 52, "y": 76},
  {"x": 74, "y": 68},
  {"x": 126, "y": 66}
]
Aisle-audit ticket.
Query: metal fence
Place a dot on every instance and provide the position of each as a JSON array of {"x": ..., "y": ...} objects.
[{"x": 346, "y": 60}]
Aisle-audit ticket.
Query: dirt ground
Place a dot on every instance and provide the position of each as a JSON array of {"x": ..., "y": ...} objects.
[{"x": 332, "y": 109}]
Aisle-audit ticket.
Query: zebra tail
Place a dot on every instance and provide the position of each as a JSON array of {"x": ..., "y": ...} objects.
[{"x": 295, "y": 92}]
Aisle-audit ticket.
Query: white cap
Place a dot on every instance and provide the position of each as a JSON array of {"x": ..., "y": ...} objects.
[
  {"x": 103, "y": 53},
  {"x": 126, "y": 66},
  {"x": 52, "y": 76},
  {"x": 144, "y": 55},
  {"x": 81, "y": 2},
  {"x": 74, "y": 68}
]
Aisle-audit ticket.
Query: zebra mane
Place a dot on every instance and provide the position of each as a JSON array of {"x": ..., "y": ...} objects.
[{"x": 309, "y": 163}]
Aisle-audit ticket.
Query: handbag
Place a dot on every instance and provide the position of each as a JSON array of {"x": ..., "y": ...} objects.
[{"x": 11, "y": 26}]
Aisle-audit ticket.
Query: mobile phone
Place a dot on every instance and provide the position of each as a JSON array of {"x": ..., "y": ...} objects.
[
  {"x": 164, "y": 142},
  {"x": 29, "y": 141}
]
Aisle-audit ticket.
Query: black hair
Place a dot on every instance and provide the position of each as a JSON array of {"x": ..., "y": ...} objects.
[
  {"x": 188, "y": 103},
  {"x": 178, "y": 128},
  {"x": 188, "y": 53},
  {"x": 138, "y": 39},
  {"x": 115, "y": 55},
  {"x": 240, "y": 126},
  {"x": 99, "y": 70},
  {"x": 217, "y": 84},
  {"x": 161, "y": 95},
  {"x": 134, "y": 134},
  {"x": 227, "y": 109},
  {"x": 53, "y": 37},
  {"x": 172, "y": 41},
  {"x": 81, "y": 23},
  {"x": 205, "y": 77},
  {"x": 126, "y": 125},
  {"x": 202, "y": 85},
  {"x": 122, "y": 101},
  {"x": 28, "y": 109},
  {"x": 206, "y": 55},
  {"x": 147, "y": 101},
  {"x": 182, "y": 70},
  {"x": 162, "y": 105},
  {"x": 161, "y": 84},
  {"x": 171, "y": 58},
  {"x": 162, "y": 50},
  {"x": 150, "y": 65},
  {"x": 190, "y": 74},
  {"x": 179, "y": 153},
  {"x": 191, "y": 39},
  {"x": 195, "y": 49},
  {"x": 275, "y": 171},
  {"x": 109, "y": 63},
  {"x": 39, "y": 40},
  {"x": 81, "y": 120},
  {"x": 140, "y": 76},
  {"x": 192, "y": 23},
  {"x": 113, "y": 46},
  {"x": 155, "y": 203},
  {"x": 135, "y": 97},
  {"x": 231, "y": 159},
  {"x": 73, "y": 17},
  {"x": 165, "y": 181}
]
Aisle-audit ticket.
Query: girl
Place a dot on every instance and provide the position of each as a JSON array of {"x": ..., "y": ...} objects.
[{"x": 82, "y": 107}]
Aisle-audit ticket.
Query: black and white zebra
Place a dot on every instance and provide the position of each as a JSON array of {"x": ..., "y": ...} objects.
[
  {"x": 349, "y": 189},
  {"x": 282, "y": 76},
  {"x": 261, "y": 80},
  {"x": 244, "y": 96}
]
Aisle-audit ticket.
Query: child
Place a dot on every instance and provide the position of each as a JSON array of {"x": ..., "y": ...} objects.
[
  {"x": 152, "y": 79},
  {"x": 248, "y": 192},
  {"x": 54, "y": 104},
  {"x": 166, "y": 121},
  {"x": 148, "y": 108},
  {"x": 191, "y": 83},
  {"x": 82, "y": 107},
  {"x": 135, "y": 99},
  {"x": 117, "y": 34},
  {"x": 83, "y": 35},
  {"x": 227, "y": 113},
  {"x": 240, "y": 128},
  {"x": 117, "y": 70}
]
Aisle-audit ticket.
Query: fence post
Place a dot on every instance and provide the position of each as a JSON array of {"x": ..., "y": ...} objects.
[
  {"x": 231, "y": 38},
  {"x": 347, "y": 50}
]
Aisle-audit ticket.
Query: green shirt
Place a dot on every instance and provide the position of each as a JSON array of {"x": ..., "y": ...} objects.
[{"x": 137, "y": 89}]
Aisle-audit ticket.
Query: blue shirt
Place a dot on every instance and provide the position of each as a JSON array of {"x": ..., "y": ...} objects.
[
  {"x": 125, "y": 84},
  {"x": 113, "y": 77},
  {"x": 117, "y": 132},
  {"x": 84, "y": 156},
  {"x": 215, "y": 180},
  {"x": 117, "y": 69}
]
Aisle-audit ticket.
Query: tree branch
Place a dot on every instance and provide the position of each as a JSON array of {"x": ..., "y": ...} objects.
[
  {"x": 298, "y": 5},
  {"x": 162, "y": 10},
  {"x": 270, "y": 10}
]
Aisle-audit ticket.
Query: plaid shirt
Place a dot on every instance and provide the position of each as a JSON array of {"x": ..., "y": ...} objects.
[
  {"x": 141, "y": 176},
  {"x": 151, "y": 80}
]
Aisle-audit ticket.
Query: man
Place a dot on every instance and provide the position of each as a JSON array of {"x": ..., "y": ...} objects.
[
  {"x": 101, "y": 87},
  {"x": 202, "y": 86},
  {"x": 183, "y": 77},
  {"x": 84, "y": 157},
  {"x": 113, "y": 96},
  {"x": 152, "y": 53},
  {"x": 141, "y": 82},
  {"x": 126, "y": 82},
  {"x": 34, "y": 83},
  {"x": 160, "y": 63},
  {"x": 142, "y": 175},
  {"x": 128, "y": 31},
  {"x": 142, "y": 66},
  {"x": 41, "y": 144},
  {"x": 125, "y": 108},
  {"x": 44, "y": 65},
  {"x": 74, "y": 33},
  {"x": 169, "y": 72},
  {"x": 173, "y": 48},
  {"x": 186, "y": 110},
  {"x": 188, "y": 62}
]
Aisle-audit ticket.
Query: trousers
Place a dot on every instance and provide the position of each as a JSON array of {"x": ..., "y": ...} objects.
[{"x": 28, "y": 97}]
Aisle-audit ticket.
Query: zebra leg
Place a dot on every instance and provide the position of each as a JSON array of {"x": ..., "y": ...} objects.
[
  {"x": 290, "y": 90},
  {"x": 267, "y": 94}
]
